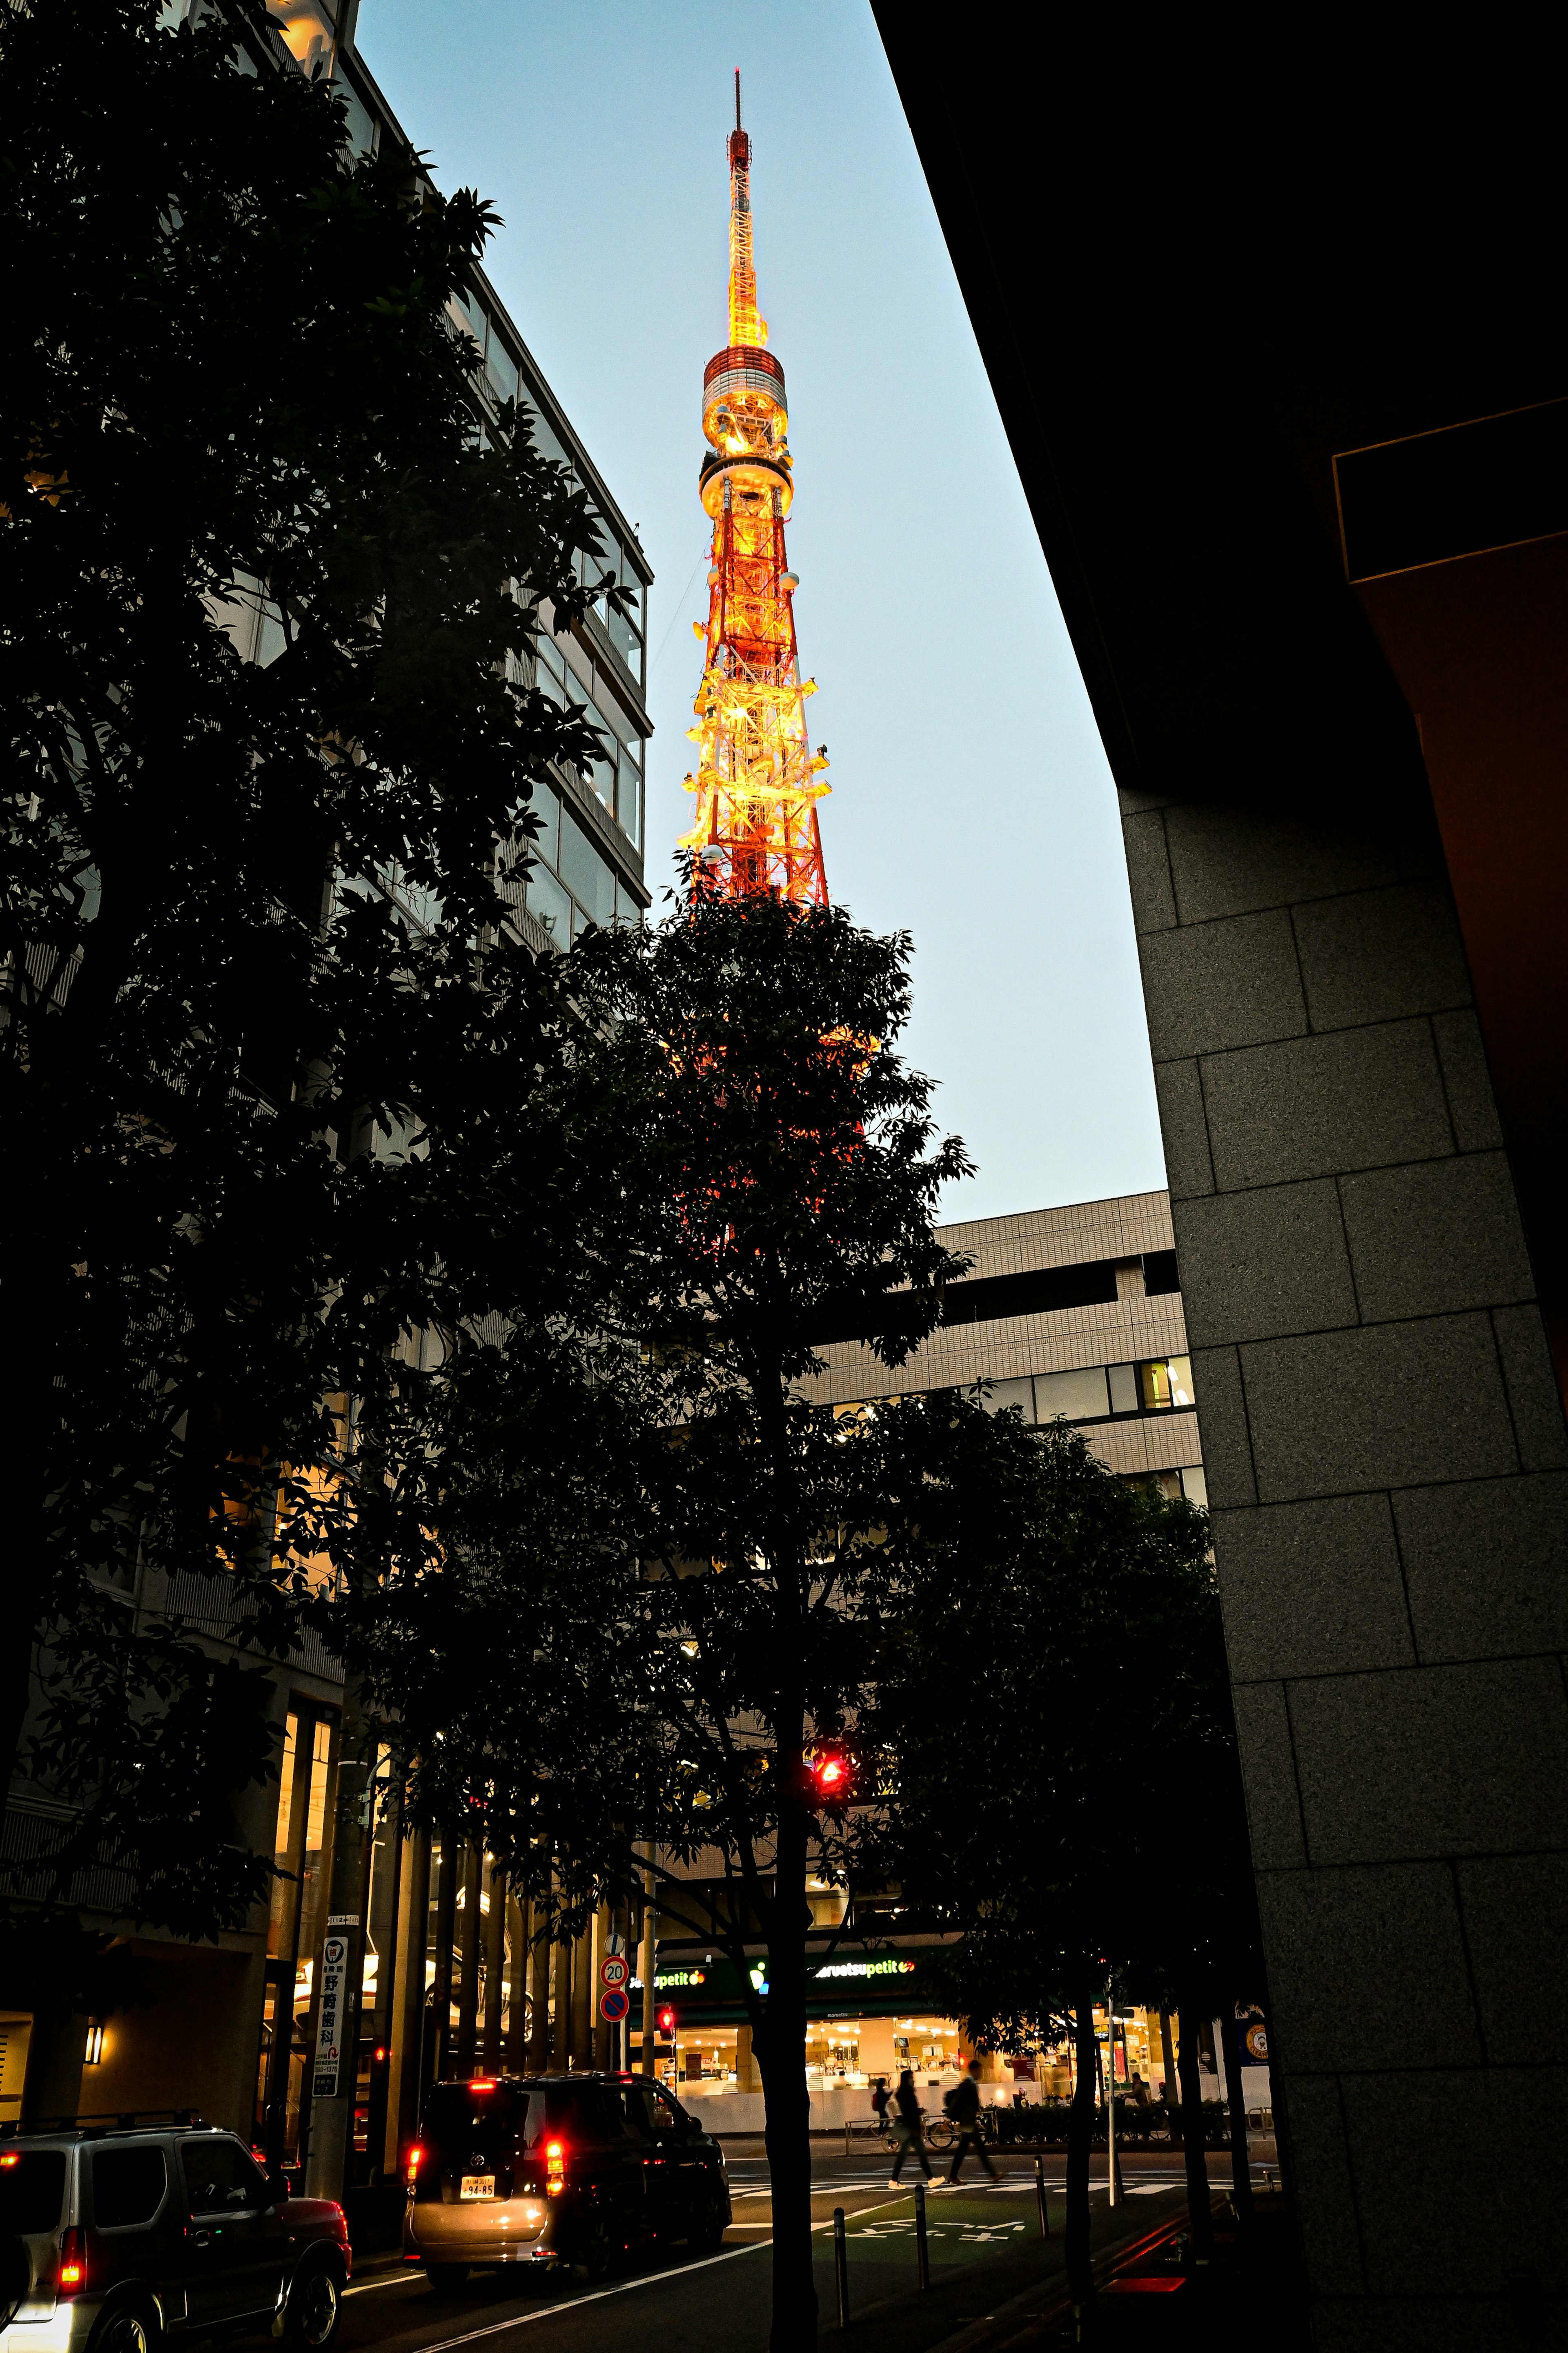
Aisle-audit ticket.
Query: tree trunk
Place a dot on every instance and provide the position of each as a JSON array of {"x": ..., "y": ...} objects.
[
  {"x": 786, "y": 2106},
  {"x": 1198, "y": 2210},
  {"x": 1081, "y": 2139},
  {"x": 1171, "y": 2092},
  {"x": 1240, "y": 2163}
]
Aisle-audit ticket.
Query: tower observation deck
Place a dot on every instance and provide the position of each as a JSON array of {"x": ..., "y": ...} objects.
[{"x": 757, "y": 779}]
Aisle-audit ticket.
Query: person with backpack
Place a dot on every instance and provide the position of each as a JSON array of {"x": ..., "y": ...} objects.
[
  {"x": 909, "y": 2128},
  {"x": 881, "y": 2100},
  {"x": 963, "y": 2105}
]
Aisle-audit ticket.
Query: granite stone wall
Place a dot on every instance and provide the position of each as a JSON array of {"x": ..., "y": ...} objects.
[{"x": 1388, "y": 1472}]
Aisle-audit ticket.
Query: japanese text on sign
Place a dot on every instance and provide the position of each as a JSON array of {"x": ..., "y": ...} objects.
[{"x": 331, "y": 2019}]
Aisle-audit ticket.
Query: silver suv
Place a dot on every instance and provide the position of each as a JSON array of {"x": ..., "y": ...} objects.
[{"x": 113, "y": 2237}]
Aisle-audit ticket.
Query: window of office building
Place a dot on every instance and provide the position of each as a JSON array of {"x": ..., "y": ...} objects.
[
  {"x": 572, "y": 883},
  {"x": 1166, "y": 1383}
]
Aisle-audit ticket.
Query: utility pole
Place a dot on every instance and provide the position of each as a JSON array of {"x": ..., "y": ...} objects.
[{"x": 646, "y": 1970}]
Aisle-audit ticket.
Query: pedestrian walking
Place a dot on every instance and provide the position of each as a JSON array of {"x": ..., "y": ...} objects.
[
  {"x": 963, "y": 2105},
  {"x": 881, "y": 2100},
  {"x": 909, "y": 2128}
]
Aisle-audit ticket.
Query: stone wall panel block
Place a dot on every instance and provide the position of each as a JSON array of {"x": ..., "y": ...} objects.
[
  {"x": 1392, "y": 1405},
  {"x": 1432, "y": 1760},
  {"x": 1209, "y": 987},
  {"x": 1486, "y": 1565},
  {"x": 1366, "y": 1969},
  {"x": 1380, "y": 954},
  {"x": 1256, "y": 1264},
  {"x": 1311, "y": 1589},
  {"x": 1317, "y": 1106},
  {"x": 1443, "y": 1236}
]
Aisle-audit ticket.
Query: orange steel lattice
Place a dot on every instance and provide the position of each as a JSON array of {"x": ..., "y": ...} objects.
[{"x": 757, "y": 779}]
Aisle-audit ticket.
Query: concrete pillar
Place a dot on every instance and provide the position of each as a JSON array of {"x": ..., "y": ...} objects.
[
  {"x": 582, "y": 1998},
  {"x": 408, "y": 2002},
  {"x": 1387, "y": 1471},
  {"x": 495, "y": 1971},
  {"x": 437, "y": 2060},
  {"x": 470, "y": 1941}
]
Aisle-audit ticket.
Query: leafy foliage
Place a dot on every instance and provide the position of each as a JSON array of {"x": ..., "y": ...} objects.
[
  {"x": 685, "y": 1572},
  {"x": 255, "y": 913}
]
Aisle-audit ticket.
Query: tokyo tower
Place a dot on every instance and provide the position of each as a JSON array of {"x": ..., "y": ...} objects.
[{"x": 757, "y": 779}]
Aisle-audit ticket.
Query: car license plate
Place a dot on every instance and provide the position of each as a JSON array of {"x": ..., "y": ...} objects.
[{"x": 479, "y": 2185}]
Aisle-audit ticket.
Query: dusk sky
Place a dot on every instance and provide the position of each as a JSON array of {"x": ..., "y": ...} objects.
[{"x": 972, "y": 803}]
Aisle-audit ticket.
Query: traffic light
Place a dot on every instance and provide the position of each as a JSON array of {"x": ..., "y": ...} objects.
[
  {"x": 666, "y": 2021},
  {"x": 833, "y": 1774}
]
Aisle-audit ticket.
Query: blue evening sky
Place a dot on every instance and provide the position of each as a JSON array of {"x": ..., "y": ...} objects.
[{"x": 972, "y": 803}]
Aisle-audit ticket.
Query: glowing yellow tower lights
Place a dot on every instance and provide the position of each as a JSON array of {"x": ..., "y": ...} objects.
[{"x": 757, "y": 779}]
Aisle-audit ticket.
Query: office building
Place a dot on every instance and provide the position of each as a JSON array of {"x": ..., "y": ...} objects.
[
  {"x": 1270, "y": 338},
  {"x": 209, "y": 2039}
]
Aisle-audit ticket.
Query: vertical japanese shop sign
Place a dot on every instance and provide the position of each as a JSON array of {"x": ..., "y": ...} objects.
[{"x": 332, "y": 2021}]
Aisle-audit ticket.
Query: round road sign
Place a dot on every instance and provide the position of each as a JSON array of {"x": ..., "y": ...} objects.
[
  {"x": 614, "y": 1969},
  {"x": 613, "y": 2005}
]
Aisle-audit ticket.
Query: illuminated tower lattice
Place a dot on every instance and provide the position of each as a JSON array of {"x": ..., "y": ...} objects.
[{"x": 757, "y": 779}]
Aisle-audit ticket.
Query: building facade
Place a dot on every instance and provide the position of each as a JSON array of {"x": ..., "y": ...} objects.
[
  {"x": 1290, "y": 414},
  {"x": 1072, "y": 1313},
  {"x": 211, "y": 2035}
]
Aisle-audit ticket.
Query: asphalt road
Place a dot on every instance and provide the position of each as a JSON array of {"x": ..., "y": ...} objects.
[{"x": 985, "y": 2248}]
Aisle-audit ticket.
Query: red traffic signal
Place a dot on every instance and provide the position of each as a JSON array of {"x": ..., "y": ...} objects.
[
  {"x": 666, "y": 2021},
  {"x": 832, "y": 1773}
]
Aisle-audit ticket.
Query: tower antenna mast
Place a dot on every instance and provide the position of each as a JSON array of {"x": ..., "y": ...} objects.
[{"x": 757, "y": 780}]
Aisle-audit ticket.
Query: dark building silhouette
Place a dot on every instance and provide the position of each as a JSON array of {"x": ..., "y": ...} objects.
[{"x": 1275, "y": 335}]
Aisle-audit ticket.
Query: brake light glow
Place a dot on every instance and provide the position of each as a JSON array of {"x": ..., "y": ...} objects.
[
  {"x": 72, "y": 2276},
  {"x": 415, "y": 2156},
  {"x": 484, "y": 2083},
  {"x": 12, "y": 2156},
  {"x": 554, "y": 2168}
]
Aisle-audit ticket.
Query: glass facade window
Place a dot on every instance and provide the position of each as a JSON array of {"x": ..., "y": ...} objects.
[
  {"x": 361, "y": 136},
  {"x": 628, "y": 798},
  {"x": 549, "y": 906},
  {"x": 588, "y": 876},
  {"x": 549, "y": 670},
  {"x": 1010, "y": 1393},
  {"x": 546, "y": 806},
  {"x": 501, "y": 369},
  {"x": 1078, "y": 1396},
  {"x": 1166, "y": 1383},
  {"x": 1123, "y": 1383},
  {"x": 474, "y": 312},
  {"x": 601, "y": 772},
  {"x": 626, "y": 642},
  {"x": 545, "y": 440}
]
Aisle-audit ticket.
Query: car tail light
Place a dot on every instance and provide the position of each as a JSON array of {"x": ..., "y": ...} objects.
[
  {"x": 416, "y": 2158},
  {"x": 72, "y": 2276},
  {"x": 554, "y": 2168}
]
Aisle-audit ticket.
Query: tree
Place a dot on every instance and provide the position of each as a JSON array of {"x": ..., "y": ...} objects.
[
  {"x": 255, "y": 913},
  {"x": 688, "y": 1573},
  {"x": 1089, "y": 1645}
]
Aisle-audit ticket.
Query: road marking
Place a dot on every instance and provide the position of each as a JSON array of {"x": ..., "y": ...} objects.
[
  {"x": 575, "y": 2303},
  {"x": 624, "y": 2287},
  {"x": 393, "y": 2279}
]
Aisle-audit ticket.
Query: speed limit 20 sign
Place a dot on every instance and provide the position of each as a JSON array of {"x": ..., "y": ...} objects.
[{"x": 614, "y": 1970}]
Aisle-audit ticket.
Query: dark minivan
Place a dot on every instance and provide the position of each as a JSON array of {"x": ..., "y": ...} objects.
[{"x": 545, "y": 2170}]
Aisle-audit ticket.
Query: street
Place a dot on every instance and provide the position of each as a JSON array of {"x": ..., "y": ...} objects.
[{"x": 985, "y": 2248}]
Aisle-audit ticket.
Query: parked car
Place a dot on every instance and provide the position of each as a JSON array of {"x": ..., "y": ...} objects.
[
  {"x": 112, "y": 2237},
  {"x": 577, "y": 2169}
]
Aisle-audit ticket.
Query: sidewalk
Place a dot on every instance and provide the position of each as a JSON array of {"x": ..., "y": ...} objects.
[{"x": 1250, "y": 2295}]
